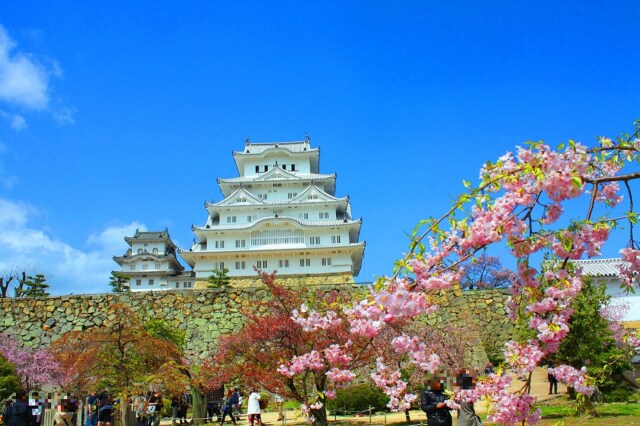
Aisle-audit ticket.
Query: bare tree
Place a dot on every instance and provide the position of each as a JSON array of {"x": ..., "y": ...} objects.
[
  {"x": 13, "y": 275},
  {"x": 485, "y": 272}
]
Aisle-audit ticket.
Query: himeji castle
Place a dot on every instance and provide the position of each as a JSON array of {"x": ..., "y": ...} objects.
[
  {"x": 280, "y": 214},
  {"x": 150, "y": 263}
]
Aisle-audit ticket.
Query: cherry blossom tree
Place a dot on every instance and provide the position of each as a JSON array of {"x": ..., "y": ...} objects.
[
  {"x": 35, "y": 368},
  {"x": 519, "y": 201}
]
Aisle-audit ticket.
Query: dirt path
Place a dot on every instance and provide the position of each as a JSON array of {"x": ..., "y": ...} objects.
[{"x": 539, "y": 388}]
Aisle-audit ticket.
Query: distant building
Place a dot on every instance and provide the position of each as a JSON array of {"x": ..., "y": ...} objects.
[
  {"x": 151, "y": 263},
  {"x": 280, "y": 214},
  {"x": 607, "y": 271}
]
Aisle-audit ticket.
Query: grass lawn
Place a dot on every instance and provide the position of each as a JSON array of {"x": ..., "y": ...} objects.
[{"x": 614, "y": 414}]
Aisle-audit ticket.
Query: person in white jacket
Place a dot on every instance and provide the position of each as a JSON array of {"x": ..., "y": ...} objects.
[{"x": 253, "y": 407}]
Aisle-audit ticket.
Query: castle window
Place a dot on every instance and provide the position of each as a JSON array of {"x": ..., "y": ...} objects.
[
  {"x": 284, "y": 167},
  {"x": 178, "y": 285},
  {"x": 261, "y": 264},
  {"x": 139, "y": 251},
  {"x": 292, "y": 195},
  {"x": 138, "y": 282},
  {"x": 158, "y": 265},
  {"x": 231, "y": 219},
  {"x": 323, "y": 215},
  {"x": 293, "y": 167},
  {"x": 257, "y": 169},
  {"x": 151, "y": 281},
  {"x": 132, "y": 267},
  {"x": 220, "y": 244},
  {"x": 145, "y": 266},
  {"x": 266, "y": 168},
  {"x": 240, "y": 265},
  {"x": 326, "y": 261},
  {"x": 314, "y": 240},
  {"x": 240, "y": 243},
  {"x": 155, "y": 250},
  {"x": 283, "y": 263},
  {"x": 305, "y": 262},
  {"x": 335, "y": 239}
]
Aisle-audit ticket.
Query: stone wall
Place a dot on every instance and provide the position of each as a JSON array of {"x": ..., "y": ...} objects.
[
  {"x": 207, "y": 314},
  {"x": 308, "y": 280}
]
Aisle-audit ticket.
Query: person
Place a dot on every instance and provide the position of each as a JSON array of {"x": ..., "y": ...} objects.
[
  {"x": 104, "y": 412},
  {"x": 227, "y": 408},
  {"x": 433, "y": 404},
  {"x": 3, "y": 411},
  {"x": 466, "y": 413},
  {"x": 18, "y": 413},
  {"x": 155, "y": 407},
  {"x": 182, "y": 410},
  {"x": 140, "y": 408},
  {"x": 279, "y": 404},
  {"x": 235, "y": 402},
  {"x": 92, "y": 409},
  {"x": 175, "y": 409},
  {"x": 253, "y": 407},
  {"x": 64, "y": 415},
  {"x": 553, "y": 382},
  {"x": 35, "y": 406}
]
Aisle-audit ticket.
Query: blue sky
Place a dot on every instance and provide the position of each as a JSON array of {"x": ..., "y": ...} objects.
[{"x": 120, "y": 115}]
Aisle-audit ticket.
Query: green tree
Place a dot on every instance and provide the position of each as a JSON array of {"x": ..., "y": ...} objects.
[
  {"x": 219, "y": 278},
  {"x": 592, "y": 341},
  {"x": 36, "y": 287},
  {"x": 119, "y": 282},
  {"x": 161, "y": 329},
  {"x": 9, "y": 380}
]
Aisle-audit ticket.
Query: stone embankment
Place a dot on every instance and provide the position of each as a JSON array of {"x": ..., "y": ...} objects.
[{"x": 207, "y": 314}]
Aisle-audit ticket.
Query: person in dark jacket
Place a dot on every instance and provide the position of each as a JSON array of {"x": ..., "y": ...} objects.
[
  {"x": 433, "y": 404},
  {"x": 18, "y": 413}
]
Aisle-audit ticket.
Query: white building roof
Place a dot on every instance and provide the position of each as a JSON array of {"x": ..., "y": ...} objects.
[
  {"x": 600, "y": 267},
  {"x": 260, "y": 147},
  {"x": 300, "y": 222}
]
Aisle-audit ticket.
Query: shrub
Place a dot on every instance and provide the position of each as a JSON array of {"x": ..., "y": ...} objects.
[{"x": 358, "y": 398}]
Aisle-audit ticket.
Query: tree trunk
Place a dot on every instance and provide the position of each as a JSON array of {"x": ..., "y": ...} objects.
[
  {"x": 199, "y": 406},
  {"x": 320, "y": 414},
  {"x": 125, "y": 409}
]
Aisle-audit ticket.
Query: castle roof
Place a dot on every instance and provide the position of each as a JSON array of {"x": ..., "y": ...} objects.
[
  {"x": 150, "y": 237},
  {"x": 600, "y": 267},
  {"x": 253, "y": 148}
]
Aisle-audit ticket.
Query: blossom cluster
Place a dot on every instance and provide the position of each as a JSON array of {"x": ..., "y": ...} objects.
[
  {"x": 572, "y": 377},
  {"x": 313, "y": 321},
  {"x": 518, "y": 201},
  {"x": 630, "y": 268},
  {"x": 308, "y": 361}
]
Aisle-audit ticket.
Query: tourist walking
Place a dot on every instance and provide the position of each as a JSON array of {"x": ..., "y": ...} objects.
[
  {"x": 433, "y": 404},
  {"x": 466, "y": 413},
  {"x": 155, "y": 406},
  {"x": 253, "y": 407},
  {"x": 553, "y": 382},
  {"x": 279, "y": 404},
  {"x": 140, "y": 408},
  {"x": 92, "y": 409},
  {"x": 227, "y": 408},
  {"x": 64, "y": 415},
  {"x": 18, "y": 413}
]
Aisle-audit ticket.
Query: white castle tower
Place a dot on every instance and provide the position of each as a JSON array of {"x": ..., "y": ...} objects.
[
  {"x": 279, "y": 214},
  {"x": 151, "y": 263}
]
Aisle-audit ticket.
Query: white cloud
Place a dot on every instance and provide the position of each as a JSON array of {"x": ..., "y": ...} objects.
[
  {"x": 68, "y": 269},
  {"x": 18, "y": 122},
  {"x": 25, "y": 83}
]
